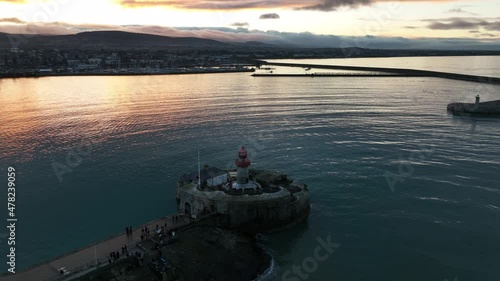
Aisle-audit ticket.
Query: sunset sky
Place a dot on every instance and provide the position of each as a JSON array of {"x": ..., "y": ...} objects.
[{"x": 247, "y": 20}]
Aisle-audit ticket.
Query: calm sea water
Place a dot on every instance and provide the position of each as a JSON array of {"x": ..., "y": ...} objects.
[{"x": 344, "y": 137}]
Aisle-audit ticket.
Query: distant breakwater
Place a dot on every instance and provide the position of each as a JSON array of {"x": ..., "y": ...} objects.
[
  {"x": 328, "y": 75},
  {"x": 391, "y": 71}
]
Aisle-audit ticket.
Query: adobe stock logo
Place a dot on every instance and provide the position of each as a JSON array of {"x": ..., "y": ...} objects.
[
  {"x": 310, "y": 264},
  {"x": 73, "y": 159}
]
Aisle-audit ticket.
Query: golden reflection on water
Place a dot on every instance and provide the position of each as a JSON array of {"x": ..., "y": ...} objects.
[
  {"x": 49, "y": 115},
  {"x": 38, "y": 111}
]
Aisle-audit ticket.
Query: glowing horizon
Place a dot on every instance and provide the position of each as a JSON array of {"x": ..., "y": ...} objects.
[{"x": 204, "y": 18}]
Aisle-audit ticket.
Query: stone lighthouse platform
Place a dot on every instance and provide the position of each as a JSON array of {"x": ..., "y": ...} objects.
[{"x": 250, "y": 200}]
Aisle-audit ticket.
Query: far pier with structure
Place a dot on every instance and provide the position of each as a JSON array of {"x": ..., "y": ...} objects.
[{"x": 487, "y": 108}]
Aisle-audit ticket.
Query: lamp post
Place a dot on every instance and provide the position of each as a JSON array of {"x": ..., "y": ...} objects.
[{"x": 95, "y": 254}]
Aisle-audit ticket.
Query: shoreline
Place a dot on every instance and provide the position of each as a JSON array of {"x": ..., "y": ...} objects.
[{"x": 66, "y": 74}]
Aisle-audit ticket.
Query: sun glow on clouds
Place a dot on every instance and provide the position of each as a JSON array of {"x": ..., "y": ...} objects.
[
  {"x": 349, "y": 17},
  {"x": 111, "y": 12}
]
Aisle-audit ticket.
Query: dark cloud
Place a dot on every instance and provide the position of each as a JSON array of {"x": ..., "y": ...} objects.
[
  {"x": 332, "y": 5},
  {"x": 489, "y": 35},
  {"x": 269, "y": 16},
  {"x": 214, "y": 4},
  {"x": 479, "y": 34},
  {"x": 495, "y": 26},
  {"x": 411, "y": 27},
  {"x": 11, "y": 20},
  {"x": 240, "y": 24},
  {"x": 321, "y": 5},
  {"x": 460, "y": 11},
  {"x": 464, "y": 23},
  {"x": 455, "y": 24}
]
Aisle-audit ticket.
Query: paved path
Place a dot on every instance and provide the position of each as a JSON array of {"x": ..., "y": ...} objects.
[{"x": 84, "y": 257}]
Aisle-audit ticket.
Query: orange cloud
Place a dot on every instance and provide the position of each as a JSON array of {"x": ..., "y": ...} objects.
[
  {"x": 319, "y": 5},
  {"x": 214, "y": 4},
  {"x": 11, "y": 20}
]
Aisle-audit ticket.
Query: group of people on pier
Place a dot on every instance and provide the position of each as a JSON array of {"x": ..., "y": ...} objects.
[
  {"x": 145, "y": 233},
  {"x": 128, "y": 230}
]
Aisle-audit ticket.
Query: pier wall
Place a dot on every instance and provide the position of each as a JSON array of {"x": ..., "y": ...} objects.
[
  {"x": 397, "y": 71},
  {"x": 492, "y": 107},
  {"x": 262, "y": 212}
]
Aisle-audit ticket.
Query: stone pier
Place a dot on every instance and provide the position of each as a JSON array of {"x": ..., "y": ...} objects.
[{"x": 85, "y": 259}]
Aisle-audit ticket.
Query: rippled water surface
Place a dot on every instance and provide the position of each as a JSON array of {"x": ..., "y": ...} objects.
[{"x": 407, "y": 190}]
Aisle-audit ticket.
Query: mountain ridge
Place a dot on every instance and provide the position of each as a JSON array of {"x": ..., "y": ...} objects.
[{"x": 105, "y": 39}]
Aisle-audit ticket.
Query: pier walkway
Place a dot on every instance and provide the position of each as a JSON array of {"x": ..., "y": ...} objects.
[
  {"x": 85, "y": 258},
  {"x": 394, "y": 71}
]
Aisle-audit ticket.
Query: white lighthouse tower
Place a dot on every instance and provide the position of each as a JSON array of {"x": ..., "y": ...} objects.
[{"x": 242, "y": 164}]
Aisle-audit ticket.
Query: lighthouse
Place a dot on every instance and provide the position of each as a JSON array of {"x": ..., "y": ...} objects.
[{"x": 242, "y": 164}]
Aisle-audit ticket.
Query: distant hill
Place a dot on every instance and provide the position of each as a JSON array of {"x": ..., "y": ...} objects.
[
  {"x": 258, "y": 44},
  {"x": 106, "y": 39}
]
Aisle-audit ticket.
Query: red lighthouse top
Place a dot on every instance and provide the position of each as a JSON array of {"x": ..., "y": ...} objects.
[{"x": 242, "y": 161}]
